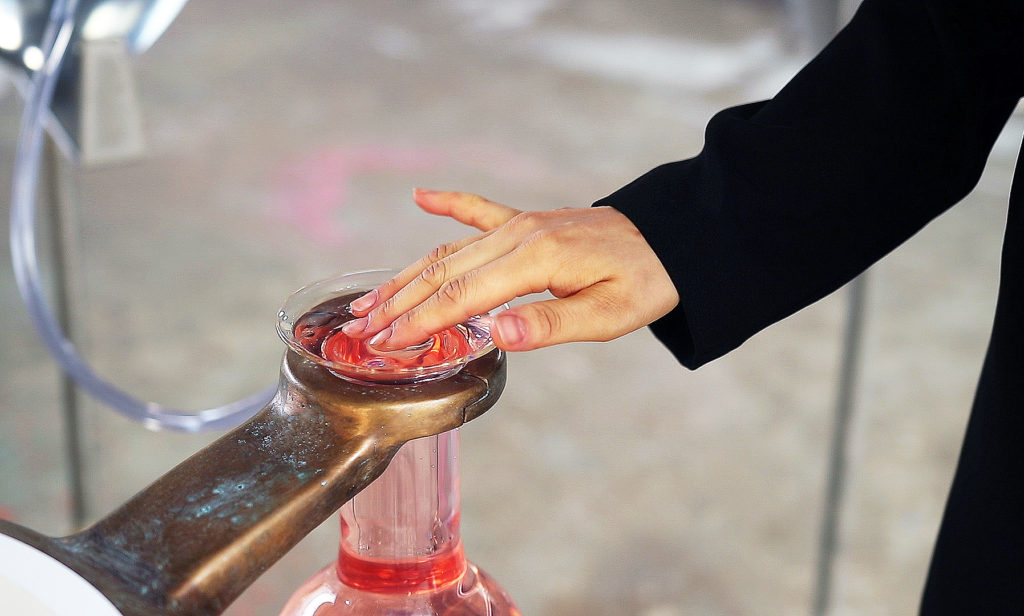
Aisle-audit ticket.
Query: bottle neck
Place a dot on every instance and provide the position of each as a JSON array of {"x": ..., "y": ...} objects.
[{"x": 402, "y": 532}]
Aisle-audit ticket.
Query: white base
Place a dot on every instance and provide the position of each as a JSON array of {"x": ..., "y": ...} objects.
[{"x": 35, "y": 584}]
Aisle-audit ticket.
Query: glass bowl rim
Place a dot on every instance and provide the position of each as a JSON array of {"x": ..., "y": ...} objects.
[{"x": 321, "y": 290}]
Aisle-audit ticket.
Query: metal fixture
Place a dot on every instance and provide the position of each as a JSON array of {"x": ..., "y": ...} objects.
[{"x": 195, "y": 539}]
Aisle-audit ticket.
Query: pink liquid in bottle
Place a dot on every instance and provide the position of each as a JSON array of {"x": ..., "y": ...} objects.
[{"x": 400, "y": 552}]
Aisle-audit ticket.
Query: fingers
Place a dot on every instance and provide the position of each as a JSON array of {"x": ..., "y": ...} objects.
[
  {"x": 445, "y": 265},
  {"x": 606, "y": 279},
  {"x": 453, "y": 285},
  {"x": 596, "y": 313},
  {"x": 466, "y": 208},
  {"x": 386, "y": 291},
  {"x": 439, "y": 300}
]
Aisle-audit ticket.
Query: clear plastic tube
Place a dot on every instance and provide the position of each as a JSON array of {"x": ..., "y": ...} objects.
[{"x": 36, "y": 114}]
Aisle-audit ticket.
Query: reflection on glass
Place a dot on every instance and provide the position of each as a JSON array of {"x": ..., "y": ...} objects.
[{"x": 316, "y": 333}]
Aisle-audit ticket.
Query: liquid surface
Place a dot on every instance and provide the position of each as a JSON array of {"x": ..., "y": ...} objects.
[
  {"x": 401, "y": 575},
  {"x": 318, "y": 331},
  {"x": 473, "y": 594}
]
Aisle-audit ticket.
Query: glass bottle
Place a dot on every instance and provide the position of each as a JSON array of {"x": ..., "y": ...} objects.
[{"x": 400, "y": 552}]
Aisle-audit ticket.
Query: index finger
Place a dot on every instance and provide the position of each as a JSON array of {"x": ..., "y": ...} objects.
[{"x": 467, "y": 208}]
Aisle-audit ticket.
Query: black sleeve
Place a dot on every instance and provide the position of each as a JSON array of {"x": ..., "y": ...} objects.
[{"x": 792, "y": 197}]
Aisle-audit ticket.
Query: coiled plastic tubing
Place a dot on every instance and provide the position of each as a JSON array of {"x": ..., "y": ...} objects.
[{"x": 56, "y": 37}]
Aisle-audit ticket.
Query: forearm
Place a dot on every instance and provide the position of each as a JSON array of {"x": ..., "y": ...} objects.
[{"x": 792, "y": 197}]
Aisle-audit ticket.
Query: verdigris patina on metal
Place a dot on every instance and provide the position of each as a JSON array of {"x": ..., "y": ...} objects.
[{"x": 194, "y": 540}]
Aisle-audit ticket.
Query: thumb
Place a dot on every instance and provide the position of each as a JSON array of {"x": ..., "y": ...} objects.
[{"x": 585, "y": 316}]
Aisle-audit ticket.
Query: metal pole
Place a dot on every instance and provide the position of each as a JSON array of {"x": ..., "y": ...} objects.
[
  {"x": 835, "y": 478},
  {"x": 57, "y": 205},
  {"x": 814, "y": 21}
]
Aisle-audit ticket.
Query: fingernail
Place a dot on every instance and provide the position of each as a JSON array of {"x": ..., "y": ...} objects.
[
  {"x": 355, "y": 327},
  {"x": 364, "y": 303},
  {"x": 424, "y": 192},
  {"x": 381, "y": 337},
  {"x": 511, "y": 328}
]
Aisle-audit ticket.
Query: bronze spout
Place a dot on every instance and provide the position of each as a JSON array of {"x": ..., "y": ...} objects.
[{"x": 195, "y": 539}]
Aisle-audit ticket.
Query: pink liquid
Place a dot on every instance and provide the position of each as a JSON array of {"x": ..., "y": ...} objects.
[
  {"x": 440, "y": 348},
  {"x": 319, "y": 332},
  {"x": 401, "y": 575},
  {"x": 400, "y": 552}
]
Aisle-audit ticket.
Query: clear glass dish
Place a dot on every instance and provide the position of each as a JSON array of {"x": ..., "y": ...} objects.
[{"x": 310, "y": 324}]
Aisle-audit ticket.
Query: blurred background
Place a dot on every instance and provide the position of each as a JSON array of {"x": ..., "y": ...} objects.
[{"x": 279, "y": 143}]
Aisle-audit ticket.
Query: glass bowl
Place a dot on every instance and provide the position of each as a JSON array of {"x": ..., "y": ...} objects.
[{"x": 310, "y": 324}]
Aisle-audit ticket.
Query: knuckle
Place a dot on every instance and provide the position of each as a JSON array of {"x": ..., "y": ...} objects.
[
  {"x": 435, "y": 274},
  {"x": 403, "y": 321},
  {"x": 556, "y": 238},
  {"x": 609, "y": 318},
  {"x": 472, "y": 208},
  {"x": 381, "y": 313},
  {"x": 454, "y": 291},
  {"x": 440, "y": 252},
  {"x": 474, "y": 199},
  {"x": 526, "y": 221},
  {"x": 548, "y": 322},
  {"x": 545, "y": 244}
]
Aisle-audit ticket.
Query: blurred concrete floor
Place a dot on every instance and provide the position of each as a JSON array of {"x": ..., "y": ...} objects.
[{"x": 283, "y": 140}]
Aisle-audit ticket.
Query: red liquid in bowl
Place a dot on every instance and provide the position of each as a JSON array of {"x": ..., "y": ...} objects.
[
  {"x": 441, "y": 348},
  {"x": 318, "y": 331}
]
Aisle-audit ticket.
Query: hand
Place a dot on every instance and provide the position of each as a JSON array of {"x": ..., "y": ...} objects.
[{"x": 606, "y": 279}]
